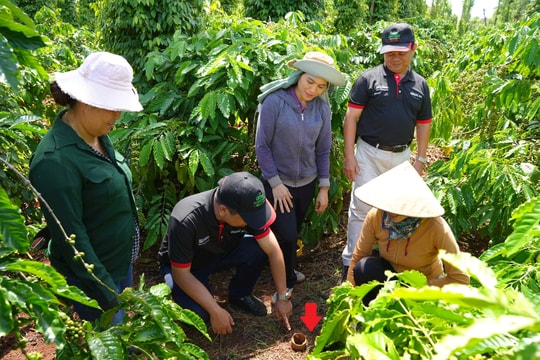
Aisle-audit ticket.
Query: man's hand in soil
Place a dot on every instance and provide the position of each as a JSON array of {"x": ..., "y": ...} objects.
[
  {"x": 221, "y": 321},
  {"x": 283, "y": 309}
]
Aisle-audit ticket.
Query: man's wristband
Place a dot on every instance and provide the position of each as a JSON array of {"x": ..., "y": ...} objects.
[
  {"x": 423, "y": 160},
  {"x": 285, "y": 297}
]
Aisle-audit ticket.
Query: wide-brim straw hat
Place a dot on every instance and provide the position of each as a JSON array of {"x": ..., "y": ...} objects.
[
  {"x": 401, "y": 191},
  {"x": 103, "y": 81},
  {"x": 320, "y": 65}
]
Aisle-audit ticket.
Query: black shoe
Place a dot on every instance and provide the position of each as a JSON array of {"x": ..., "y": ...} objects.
[{"x": 250, "y": 304}]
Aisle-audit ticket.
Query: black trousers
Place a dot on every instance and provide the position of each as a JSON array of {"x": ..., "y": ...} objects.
[
  {"x": 288, "y": 225},
  {"x": 248, "y": 259},
  {"x": 368, "y": 269}
]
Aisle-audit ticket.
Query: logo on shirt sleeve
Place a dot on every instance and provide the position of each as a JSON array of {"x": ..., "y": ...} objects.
[{"x": 203, "y": 241}]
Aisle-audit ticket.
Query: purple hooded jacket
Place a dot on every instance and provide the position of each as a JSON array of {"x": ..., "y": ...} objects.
[{"x": 293, "y": 147}]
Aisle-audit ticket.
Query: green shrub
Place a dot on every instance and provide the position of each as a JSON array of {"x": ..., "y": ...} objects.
[
  {"x": 34, "y": 293},
  {"x": 411, "y": 320},
  {"x": 134, "y": 28}
]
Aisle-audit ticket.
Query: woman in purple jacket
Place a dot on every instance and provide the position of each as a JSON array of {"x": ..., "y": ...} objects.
[{"x": 293, "y": 141}]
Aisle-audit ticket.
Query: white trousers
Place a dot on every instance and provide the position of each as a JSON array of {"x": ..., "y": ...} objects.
[{"x": 372, "y": 162}]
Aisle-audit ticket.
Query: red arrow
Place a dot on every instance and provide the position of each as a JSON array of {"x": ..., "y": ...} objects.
[{"x": 311, "y": 319}]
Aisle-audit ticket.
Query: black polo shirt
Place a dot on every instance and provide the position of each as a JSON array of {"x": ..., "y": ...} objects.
[
  {"x": 391, "y": 106},
  {"x": 194, "y": 237}
]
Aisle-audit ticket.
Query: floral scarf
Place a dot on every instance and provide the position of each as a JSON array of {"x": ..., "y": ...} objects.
[{"x": 402, "y": 229}]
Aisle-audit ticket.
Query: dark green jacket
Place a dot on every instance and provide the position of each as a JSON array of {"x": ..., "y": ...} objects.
[{"x": 93, "y": 199}]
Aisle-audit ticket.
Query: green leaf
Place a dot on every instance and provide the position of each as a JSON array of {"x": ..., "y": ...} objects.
[
  {"x": 17, "y": 13},
  {"x": 8, "y": 64},
  {"x": 462, "y": 295},
  {"x": 193, "y": 163},
  {"x": 448, "y": 315},
  {"x": 21, "y": 37},
  {"x": 206, "y": 164},
  {"x": 161, "y": 290},
  {"x": 334, "y": 329},
  {"x": 473, "y": 266},
  {"x": 57, "y": 283},
  {"x": 105, "y": 345},
  {"x": 146, "y": 152},
  {"x": 527, "y": 221},
  {"x": 12, "y": 229},
  {"x": 413, "y": 278},
  {"x": 191, "y": 318},
  {"x": 159, "y": 155},
  {"x": 192, "y": 349},
  {"x": 372, "y": 346},
  {"x": 48, "y": 323},
  {"x": 208, "y": 107},
  {"x": 6, "y": 321},
  {"x": 224, "y": 104},
  {"x": 171, "y": 143},
  {"x": 44, "y": 272},
  {"x": 165, "y": 147},
  {"x": 482, "y": 329},
  {"x": 150, "y": 332},
  {"x": 531, "y": 57}
]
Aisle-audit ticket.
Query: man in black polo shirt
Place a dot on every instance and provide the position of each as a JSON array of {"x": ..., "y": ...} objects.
[
  {"x": 387, "y": 104},
  {"x": 226, "y": 227}
]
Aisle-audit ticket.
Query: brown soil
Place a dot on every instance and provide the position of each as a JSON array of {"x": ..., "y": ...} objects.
[{"x": 263, "y": 338}]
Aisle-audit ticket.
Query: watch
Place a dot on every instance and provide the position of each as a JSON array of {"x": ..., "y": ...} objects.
[
  {"x": 285, "y": 297},
  {"x": 423, "y": 160}
]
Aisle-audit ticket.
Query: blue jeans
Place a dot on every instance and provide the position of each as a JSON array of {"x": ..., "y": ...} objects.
[
  {"x": 247, "y": 258},
  {"x": 91, "y": 314}
]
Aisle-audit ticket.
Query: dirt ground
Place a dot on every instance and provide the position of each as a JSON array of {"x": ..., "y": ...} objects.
[
  {"x": 253, "y": 337},
  {"x": 262, "y": 338}
]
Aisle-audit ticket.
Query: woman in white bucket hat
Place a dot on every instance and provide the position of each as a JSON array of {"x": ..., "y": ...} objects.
[
  {"x": 293, "y": 142},
  {"x": 406, "y": 224},
  {"x": 87, "y": 183}
]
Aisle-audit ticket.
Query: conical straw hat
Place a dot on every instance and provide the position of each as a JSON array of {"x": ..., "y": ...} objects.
[{"x": 401, "y": 191}]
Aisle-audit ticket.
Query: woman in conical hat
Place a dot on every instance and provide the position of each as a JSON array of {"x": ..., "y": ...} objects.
[
  {"x": 293, "y": 141},
  {"x": 406, "y": 224}
]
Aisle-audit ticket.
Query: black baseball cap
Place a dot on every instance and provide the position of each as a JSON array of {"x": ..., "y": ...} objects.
[
  {"x": 244, "y": 193},
  {"x": 397, "y": 37}
]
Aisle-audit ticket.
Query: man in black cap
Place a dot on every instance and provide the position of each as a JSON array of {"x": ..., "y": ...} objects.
[
  {"x": 387, "y": 105},
  {"x": 226, "y": 227}
]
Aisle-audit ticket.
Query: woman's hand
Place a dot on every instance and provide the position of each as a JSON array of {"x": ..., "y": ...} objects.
[
  {"x": 282, "y": 198},
  {"x": 321, "y": 203}
]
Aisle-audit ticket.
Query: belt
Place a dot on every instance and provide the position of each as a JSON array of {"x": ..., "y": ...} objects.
[{"x": 392, "y": 148}]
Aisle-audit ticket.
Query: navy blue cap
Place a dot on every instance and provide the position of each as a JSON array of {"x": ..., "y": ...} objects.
[
  {"x": 244, "y": 193},
  {"x": 397, "y": 37}
]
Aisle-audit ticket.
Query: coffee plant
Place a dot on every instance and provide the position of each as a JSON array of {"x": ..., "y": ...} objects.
[
  {"x": 496, "y": 317},
  {"x": 151, "y": 326},
  {"x": 199, "y": 87}
]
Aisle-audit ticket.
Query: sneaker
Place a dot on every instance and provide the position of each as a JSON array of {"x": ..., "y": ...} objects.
[
  {"x": 250, "y": 304},
  {"x": 299, "y": 276}
]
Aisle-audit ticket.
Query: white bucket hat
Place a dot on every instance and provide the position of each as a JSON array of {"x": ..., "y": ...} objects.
[
  {"x": 103, "y": 81},
  {"x": 320, "y": 65},
  {"x": 401, "y": 191}
]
